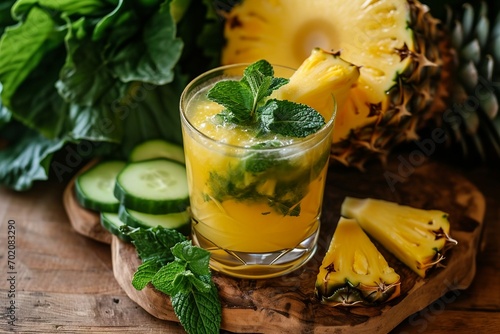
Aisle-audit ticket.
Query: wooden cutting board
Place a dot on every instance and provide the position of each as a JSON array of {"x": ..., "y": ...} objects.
[{"x": 287, "y": 304}]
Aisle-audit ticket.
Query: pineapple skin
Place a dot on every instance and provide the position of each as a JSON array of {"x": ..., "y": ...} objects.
[
  {"x": 417, "y": 237},
  {"x": 472, "y": 120},
  {"x": 353, "y": 272}
]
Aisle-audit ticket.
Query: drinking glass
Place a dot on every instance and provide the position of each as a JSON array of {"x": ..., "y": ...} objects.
[{"x": 255, "y": 207}]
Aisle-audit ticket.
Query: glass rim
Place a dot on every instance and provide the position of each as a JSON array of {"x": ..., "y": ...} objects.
[{"x": 295, "y": 141}]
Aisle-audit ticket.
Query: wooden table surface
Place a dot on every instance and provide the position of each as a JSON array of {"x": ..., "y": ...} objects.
[{"x": 63, "y": 282}]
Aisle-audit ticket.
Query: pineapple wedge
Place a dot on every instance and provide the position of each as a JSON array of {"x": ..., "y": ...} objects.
[
  {"x": 353, "y": 271},
  {"x": 322, "y": 80},
  {"x": 417, "y": 237}
]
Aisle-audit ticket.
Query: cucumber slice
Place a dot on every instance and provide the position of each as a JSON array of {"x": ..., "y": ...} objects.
[
  {"x": 94, "y": 188},
  {"x": 111, "y": 222},
  {"x": 156, "y": 186},
  {"x": 157, "y": 148},
  {"x": 179, "y": 221}
]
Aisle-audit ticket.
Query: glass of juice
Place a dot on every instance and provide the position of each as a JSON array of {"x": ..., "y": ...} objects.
[{"x": 255, "y": 200}]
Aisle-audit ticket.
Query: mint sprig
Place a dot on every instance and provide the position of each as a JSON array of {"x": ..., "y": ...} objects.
[
  {"x": 246, "y": 103},
  {"x": 180, "y": 270}
]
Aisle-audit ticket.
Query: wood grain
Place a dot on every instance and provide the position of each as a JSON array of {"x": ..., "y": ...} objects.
[
  {"x": 73, "y": 311},
  {"x": 287, "y": 304}
]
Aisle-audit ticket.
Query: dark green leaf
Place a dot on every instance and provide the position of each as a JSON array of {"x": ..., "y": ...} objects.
[
  {"x": 5, "y": 114},
  {"x": 23, "y": 47},
  {"x": 260, "y": 161},
  {"x": 150, "y": 111},
  {"x": 165, "y": 279},
  {"x": 37, "y": 104},
  {"x": 27, "y": 156},
  {"x": 261, "y": 67},
  {"x": 145, "y": 273},
  {"x": 197, "y": 284},
  {"x": 86, "y": 79},
  {"x": 155, "y": 243},
  {"x": 199, "y": 313},
  {"x": 197, "y": 259},
  {"x": 290, "y": 119},
  {"x": 173, "y": 279},
  {"x": 153, "y": 55},
  {"x": 277, "y": 83},
  {"x": 69, "y": 7},
  {"x": 6, "y": 18},
  {"x": 259, "y": 76},
  {"x": 235, "y": 97},
  {"x": 119, "y": 17}
]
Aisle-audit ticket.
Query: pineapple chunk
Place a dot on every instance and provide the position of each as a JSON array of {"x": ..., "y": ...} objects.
[
  {"x": 417, "y": 237},
  {"x": 353, "y": 271},
  {"x": 322, "y": 80}
]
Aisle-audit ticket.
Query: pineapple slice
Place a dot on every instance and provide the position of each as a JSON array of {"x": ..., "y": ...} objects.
[
  {"x": 321, "y": 80},
  {"x": 353, "y": 271},
  {"x": 417, "y": 237}
]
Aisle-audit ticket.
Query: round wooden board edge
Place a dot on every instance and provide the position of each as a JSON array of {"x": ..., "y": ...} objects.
[
  {"x": 456, "y": 276},
  {"x": 84, "y": 222}
]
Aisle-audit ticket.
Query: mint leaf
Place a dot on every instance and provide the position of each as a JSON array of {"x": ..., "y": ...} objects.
[
  {"x": 165, "y": 277},
  {"x": 259, "y": 162},
  {"x": 180, "y": 270},
  {"x": 290, "y": 119},
  {"x": 196, "y": 258},
  {"x": 199, "y": 312},
  {"x": 261, "y": 66},
  {"x": 155, "y": 243},
  {"x": 187, "y": 282},
  {"x": 145, "y": 273},
  {"x": 243, "y": 98},
  {"x": 259, "y": 76},
  {"x": 235, "y": 97}
]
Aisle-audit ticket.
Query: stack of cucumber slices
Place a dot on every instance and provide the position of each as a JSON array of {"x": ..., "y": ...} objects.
[{"x": 147, "y": 191}]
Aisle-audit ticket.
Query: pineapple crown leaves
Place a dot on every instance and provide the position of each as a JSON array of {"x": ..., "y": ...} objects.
[{"x": 247, "y": 103}]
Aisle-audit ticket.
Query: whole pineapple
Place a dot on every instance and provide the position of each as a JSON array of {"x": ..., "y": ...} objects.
[
  {"x": 408, "y": 67},
  {"x": 474, "y": 122}
]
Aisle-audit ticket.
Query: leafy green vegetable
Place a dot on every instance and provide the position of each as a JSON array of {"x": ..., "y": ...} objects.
[
  {"x": 23, "y": 47},
  {"x": 5, "y": 14},
  {"x": 246, "y": 104},
  {"x": 177, "y": 268},
  {"x": 5, "y": 114},
  {"x": 27, "y": 161},
  {"x": 153, "y": 57},
  {"x": 106, "y": 71}
]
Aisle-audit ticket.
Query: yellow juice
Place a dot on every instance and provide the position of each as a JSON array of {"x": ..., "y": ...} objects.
[{"x": 255, "y": 200}]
